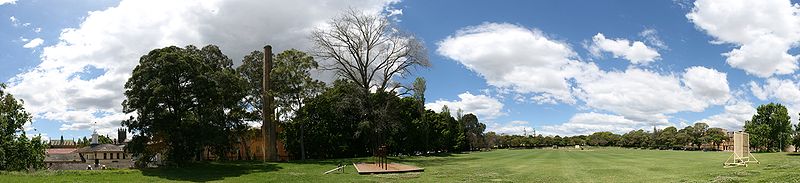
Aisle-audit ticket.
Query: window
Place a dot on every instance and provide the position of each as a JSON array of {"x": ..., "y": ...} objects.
[
  {"x": 117, "y": 155},
  {"x": 124, "y": 155},
  {"x": 104, "y": 156}
]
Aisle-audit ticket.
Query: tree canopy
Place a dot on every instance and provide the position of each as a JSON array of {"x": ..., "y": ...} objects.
[
  {"x": 770, "y": 127},
  {"x": 185, "y": 100},
  {"x": 17, "y": 152}
]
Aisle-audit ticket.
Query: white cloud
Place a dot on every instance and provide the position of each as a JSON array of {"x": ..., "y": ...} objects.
[
  {"x": 2, "y": 2},
  {"x": 651, "y": 37},
  {"x": 483, "y": 106},
  {"x": 512, "y": 128},
  {"x": 37, "y": 30},
  {"x": 33, "y": 43},
  {"x": 782, "y": 91},
  {"x": 644, "y": 95},
  {"x": 764, "y": 31},
  {"x": 707, "y": 84},
  {"x": 733, "y": 117},
  {"x": 636, "y": 52},
  {"x": 514, "y": 57},
  {"x": 588, "y": 123},
  {"x": 14, "y": 21},
  {"x": 112, "y": 40},
  {"x": 786, "y": 91},
  {"x": 525, "y": 61}
]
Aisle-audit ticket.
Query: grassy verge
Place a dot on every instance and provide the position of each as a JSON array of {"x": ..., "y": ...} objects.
[{"x": 542, "y": 165}]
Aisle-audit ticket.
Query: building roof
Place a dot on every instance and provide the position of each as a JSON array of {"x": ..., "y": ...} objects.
[
  {"x": 62, "y": 143},
  {"x": 51, "y": 158},
  {"x": 101, "y": 148},
  {"x": 60, "y": 150}
]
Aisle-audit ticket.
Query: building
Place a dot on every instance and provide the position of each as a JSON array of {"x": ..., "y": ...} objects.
[{"x": 66, "y": 155}]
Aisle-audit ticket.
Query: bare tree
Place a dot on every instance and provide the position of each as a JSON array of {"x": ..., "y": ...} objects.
[{"x": 369, "y": 50}]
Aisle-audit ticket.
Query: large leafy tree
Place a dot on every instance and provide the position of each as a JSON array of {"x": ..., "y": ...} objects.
[
  {"x": 796, "y": 139},
  {"x": 331, "y": 122},
  {"x": 17, "y": 152},
  {"x": 473, "y": 130},
  {"x": 291, "y": 85},
  {"x": 667, "y": 137},
  {"x": 715, "y": 136},
  {"x": 697, "y": 132},
  {"x": 184, "y": 100},
  {"x": 770, "y": 127}
]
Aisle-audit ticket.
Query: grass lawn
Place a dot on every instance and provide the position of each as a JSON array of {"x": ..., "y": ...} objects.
[{"x": 542, "y": 165}]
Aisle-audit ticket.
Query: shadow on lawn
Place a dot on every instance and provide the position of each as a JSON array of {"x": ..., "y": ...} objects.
[
  {"x": 204, "y": 172},
  {"x": 793, "y": 154}
]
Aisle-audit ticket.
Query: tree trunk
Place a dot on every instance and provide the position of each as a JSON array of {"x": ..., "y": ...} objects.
[{"x": 302, "y": 144}]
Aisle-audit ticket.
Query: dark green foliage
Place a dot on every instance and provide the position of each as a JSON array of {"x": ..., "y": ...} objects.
[
  {"x": 186, "y": 100},
  {"x": 636, "y": 138},
  {"x": 770, "y": 128},
  {"x": 17, "y": 152},
  {"x": 335, "y": 125},
  {"x": 330, "y": 122}
]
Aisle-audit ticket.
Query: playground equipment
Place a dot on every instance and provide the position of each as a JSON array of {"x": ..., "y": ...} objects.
[{"x": 741, "y": 151}]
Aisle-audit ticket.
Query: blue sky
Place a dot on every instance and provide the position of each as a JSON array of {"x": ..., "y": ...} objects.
[{"x": 559, "y": 67}]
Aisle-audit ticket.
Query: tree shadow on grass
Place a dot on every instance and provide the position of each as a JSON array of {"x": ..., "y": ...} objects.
[
  {"x": 204, "y": 172},
  {"x": 793, "y": 154}
]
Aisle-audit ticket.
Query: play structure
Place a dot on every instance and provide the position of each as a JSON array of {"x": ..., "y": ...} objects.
[
  {"x": 741, "y": 151},
  {"x": 382, "y": 165}
]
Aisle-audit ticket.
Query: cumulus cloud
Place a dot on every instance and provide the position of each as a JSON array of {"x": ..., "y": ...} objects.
[
  {"x": 483, "y": 106},
  {"x": 783, "y": 91},
  {"x": 112, "y": 40},
  {"x": 644, "y": 95},
  {"x": 588, "y": 123},
  {"x": 763, "y": 31},
  {"x": 733, "y": 117},
  {"x": 517, "y": 58},
  {"x": 707, "y": 84},
  {"x": 33, "y": 43},
  {"x": 636, "y": 52}
]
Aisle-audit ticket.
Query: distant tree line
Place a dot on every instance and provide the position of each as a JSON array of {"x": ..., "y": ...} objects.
[
  {"x": 770, "y": 130},
  {"x": 690, "y": 137}
]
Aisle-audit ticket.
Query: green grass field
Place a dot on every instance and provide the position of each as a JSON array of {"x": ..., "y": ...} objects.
[{"x": 543, "y": 165}]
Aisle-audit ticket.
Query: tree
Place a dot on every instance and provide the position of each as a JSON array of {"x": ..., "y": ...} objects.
[
  {"x": 796, "y": 141},
  {"x": 667, "y": 137},
  {"x": 17, "y": 152},
  {"x": 698, "y": 131},
  {"x": 636, "y": 138},
  {"x": 603, "y": 139},
  {"x": 185, "y": 100},
  {"x": 331, "y": 122},
  {"x": 370, "y": 51},
  {"x": 473, "y": 130},
  {"x": 715, "y": 136},
  {"x": 291, "y": 84},
  {"x": 770, "y": 127}
]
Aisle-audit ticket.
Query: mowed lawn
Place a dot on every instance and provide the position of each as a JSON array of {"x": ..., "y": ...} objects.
[{"x": 540, "y": 165}]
